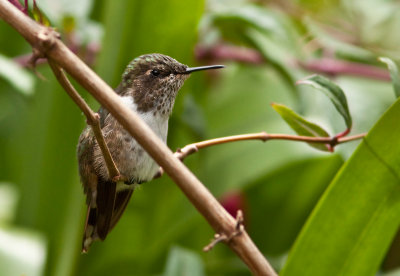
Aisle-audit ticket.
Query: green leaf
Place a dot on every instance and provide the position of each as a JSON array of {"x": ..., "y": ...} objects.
[
  {"x": 334, "y": 92},
  {"x": 301, "y": 126},
  {"x": 183, "y": 262},
  {"x": 19, "y": 77},
  {"x": 39, "y": 16},
  {"x": 69, "y": 23},
  {"x": 394, "y": 74},
  {"x": 356, "y": 219}
]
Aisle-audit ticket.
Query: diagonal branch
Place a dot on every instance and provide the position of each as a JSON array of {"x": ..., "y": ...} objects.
[
  {"x": 93, "y": 119},
  {"x": 46, "y": 41}
]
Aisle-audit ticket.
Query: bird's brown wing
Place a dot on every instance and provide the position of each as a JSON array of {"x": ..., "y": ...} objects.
[
  {"x": 121, "y": 201},
  {"x": 105, "y": 203},
  {"x": 99, "y": 215},
  {"x": 106, "y": 193}
]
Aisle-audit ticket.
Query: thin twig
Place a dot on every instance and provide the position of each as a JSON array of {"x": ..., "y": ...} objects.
[
  {"x": 195, "y": 191},
  {"x": 92, "y": 118},
  {"x": 217, "y": 239},
  {"x": 189, "y": 149},
  {"x": 227, "y": 238}
]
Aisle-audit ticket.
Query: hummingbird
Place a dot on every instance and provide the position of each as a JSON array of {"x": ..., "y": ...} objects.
[{"x": 149, "y": 86}]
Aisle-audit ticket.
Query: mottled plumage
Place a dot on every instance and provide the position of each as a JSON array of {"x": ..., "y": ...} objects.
[{"x": 149, "y": 86}]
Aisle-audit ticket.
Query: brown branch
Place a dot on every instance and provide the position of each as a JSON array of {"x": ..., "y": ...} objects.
[
  {"x": 187, "y": 150},
  {"x": 92, "y": 118},
  {"x": 87, "y": 52},
  {"x": 196, "y": 192}
]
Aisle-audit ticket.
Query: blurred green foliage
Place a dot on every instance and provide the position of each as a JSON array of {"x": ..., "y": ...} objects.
[
  {"x": 394, "y": 74},
  {"x": 277, "y": 184}
]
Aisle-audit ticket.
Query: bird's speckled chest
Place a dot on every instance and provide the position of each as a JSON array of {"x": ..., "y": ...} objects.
[{"x": 137, "y": 164}]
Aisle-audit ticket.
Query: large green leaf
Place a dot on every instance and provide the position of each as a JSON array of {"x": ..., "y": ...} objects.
[
  {"x": 354, "y": 222},
  {"x": 394, "y": 74},
  {"x": 334, "y": 92},
  {"x": 301, "y": 125}
]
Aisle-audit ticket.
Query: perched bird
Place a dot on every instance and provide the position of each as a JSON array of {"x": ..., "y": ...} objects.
[{"x": 149, "y": 86}]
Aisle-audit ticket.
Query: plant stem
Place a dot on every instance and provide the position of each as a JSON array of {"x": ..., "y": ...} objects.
[
  {"x": 92, "y": 118},
  {"x": 263, "y": 136}
]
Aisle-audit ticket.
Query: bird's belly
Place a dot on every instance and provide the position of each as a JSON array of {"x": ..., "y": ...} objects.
[{"x": 138, "y": 166}]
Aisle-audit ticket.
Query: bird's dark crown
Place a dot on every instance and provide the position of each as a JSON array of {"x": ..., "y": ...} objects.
[{"x": 157, "y": 64}]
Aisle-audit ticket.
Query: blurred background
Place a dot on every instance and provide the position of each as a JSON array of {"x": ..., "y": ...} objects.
[{"x": 266, "y": 46}]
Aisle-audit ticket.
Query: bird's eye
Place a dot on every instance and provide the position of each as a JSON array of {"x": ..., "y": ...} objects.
[{"x": 155, "y": 72}]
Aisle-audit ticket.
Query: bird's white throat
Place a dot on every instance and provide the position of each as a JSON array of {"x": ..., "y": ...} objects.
[{"x": 157, "y": 122}]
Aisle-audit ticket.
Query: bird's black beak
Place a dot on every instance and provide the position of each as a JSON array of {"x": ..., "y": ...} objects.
[{"x": 194, "y": 69}]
